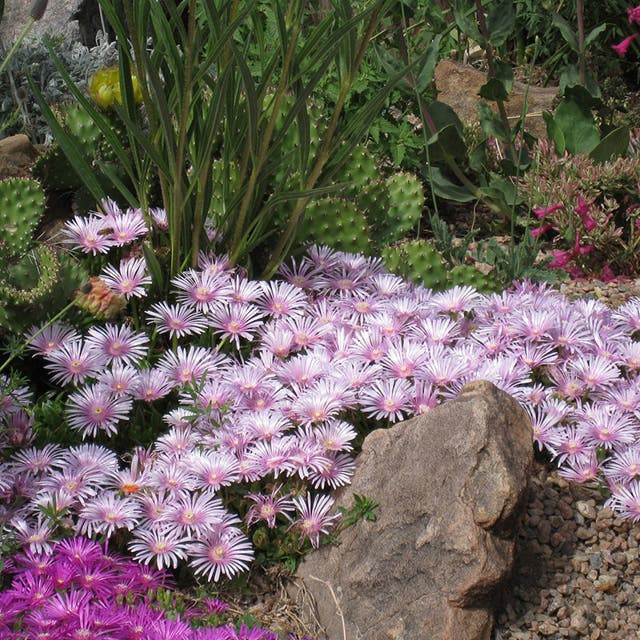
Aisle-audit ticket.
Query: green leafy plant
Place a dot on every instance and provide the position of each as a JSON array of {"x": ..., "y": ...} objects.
[{"x": 364, "y": 508}]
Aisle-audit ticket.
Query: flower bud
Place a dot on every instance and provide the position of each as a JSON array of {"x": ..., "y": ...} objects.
[{"x": 38, "y": 8}]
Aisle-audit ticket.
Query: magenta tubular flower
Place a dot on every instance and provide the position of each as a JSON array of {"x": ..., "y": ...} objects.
[
  {"x": 536, "y": 233},
  {"x": 560, "y": 259},
  {"x": 541, "y": 213},
  {"x": 622, "y": 48}
]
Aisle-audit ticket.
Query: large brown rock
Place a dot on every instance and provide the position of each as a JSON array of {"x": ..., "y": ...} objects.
[
  {"x": 17, "y": 155},
  {"x": 458, "y": 85},
  {"x": 449, "y": 485}
]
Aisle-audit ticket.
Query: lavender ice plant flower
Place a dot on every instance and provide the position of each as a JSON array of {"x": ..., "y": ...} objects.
[{"x": 342, "y": 336}]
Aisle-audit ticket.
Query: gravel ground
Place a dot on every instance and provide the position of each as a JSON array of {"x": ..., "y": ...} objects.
[{"x": 577, "y": 572}]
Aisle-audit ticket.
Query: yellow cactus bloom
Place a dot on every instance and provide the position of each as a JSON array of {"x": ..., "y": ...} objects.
[{"x": 104, "y": 87}]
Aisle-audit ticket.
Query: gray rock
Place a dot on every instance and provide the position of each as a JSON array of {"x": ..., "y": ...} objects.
[
  {"x": 449, "y": 484},
  {"x": 57, "y": 20}
]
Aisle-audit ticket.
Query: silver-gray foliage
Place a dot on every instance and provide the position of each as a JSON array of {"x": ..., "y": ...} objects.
[{"x": 19, "y": 112}]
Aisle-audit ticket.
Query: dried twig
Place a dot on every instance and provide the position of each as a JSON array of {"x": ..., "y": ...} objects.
[{"x": 336, "y": 602}]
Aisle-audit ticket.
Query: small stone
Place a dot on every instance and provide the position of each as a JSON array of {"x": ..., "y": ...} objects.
[
  {"x": 586, "y": 508},
  {"x": 565, "y": 510},
  {"x": 547, "y": 628},
  {"x": 595, "y": 561},
  {"x": 606, "y": 582},
  {"x": 579, "y": 623},
  {"x": 585, "y": 534},
  {"x": 544, "y": 531}
]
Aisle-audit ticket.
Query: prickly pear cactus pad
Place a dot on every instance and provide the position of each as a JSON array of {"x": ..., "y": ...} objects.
[
  {"x": 470, "y": 276},
  {"x": 406, "y": 202},
  {"x": 419, "y": 261},
  {"x": 21, "y": 209},
  {"x": 336, "y": 223}
]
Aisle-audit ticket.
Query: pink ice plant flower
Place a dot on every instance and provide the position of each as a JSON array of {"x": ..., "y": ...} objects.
[{"x": 272, "y": 410}]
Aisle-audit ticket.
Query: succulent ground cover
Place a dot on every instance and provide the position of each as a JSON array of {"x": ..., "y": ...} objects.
[
  {"x": 198, "y": 419},
  {"x": 265, "y": 389}
]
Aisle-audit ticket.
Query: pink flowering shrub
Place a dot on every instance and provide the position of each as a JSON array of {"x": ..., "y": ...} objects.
[
  {"x": 590, "y": 211},
  {"x": 76, "y": 590}
]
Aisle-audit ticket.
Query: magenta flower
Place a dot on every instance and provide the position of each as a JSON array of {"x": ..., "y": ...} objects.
[
  {"x": 177, "y": 320},
  {"x": 106, "y": 513},
  {"x": 536, "y": 233},
  {"x": 159, "y": 217},
  {"x": 164, "y": 546},
  {"x": 74, "y": 362},
  {"x": 622, "y": 48},
  {"x": 543, "y": 212},
  {"x": 224, "y": 552},
  {"x": 118, "y": 343},
  {"x": 267, "y": 507},
  {"x": 93, "y": 409},
  {"x": 126, "y": 227},
  {"x": 51, "y": 338},
  {"x": 560, "y": 259},
  {"x": 634, "y": 15},
  {"x": 186, "y": 366},
  {"x": 313, "y": 517},
  {"x": 205, "y": 290},
  {"x": 626, "y": 501}
]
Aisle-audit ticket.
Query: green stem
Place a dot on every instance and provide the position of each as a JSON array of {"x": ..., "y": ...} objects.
[
  {"x": 488, "y": 49},
  {"x": 17, "y": 43},
  {"x": 426, "y": 116},
  {"x": 323, "y": 154},
  {"x": 582, "y": 62},
  {"x": 26, "y": 343},
  {"x": 178, "y": 213}
]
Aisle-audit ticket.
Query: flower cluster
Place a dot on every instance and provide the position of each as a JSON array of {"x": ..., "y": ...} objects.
[
  {"x": 588, "y": 209},
  {"x": 78, "y": 591},
  {"x": 338, "y": 338}
]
